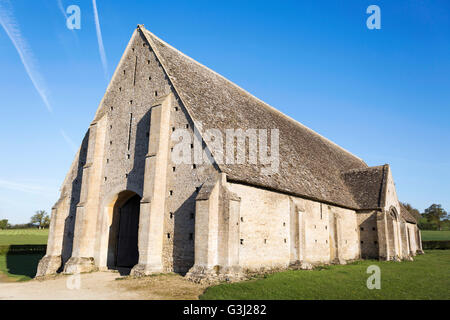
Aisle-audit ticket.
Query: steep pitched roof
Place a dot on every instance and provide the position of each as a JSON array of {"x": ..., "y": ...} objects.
[
  {"x": 367, "y": 185},
  {"x": 310, "y": 165},
  {"x": 406, "y": 214}
]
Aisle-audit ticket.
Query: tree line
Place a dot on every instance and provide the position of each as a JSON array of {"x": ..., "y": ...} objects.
[
  {"x": 40, "y": 220},
  {"x": 433, "y": 218}
]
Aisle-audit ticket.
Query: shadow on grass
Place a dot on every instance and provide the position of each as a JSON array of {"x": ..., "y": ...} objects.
[{"x": 20, "y": 264}]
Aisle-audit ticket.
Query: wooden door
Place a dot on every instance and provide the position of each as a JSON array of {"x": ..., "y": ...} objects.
[{"x": 127, "y": 243}]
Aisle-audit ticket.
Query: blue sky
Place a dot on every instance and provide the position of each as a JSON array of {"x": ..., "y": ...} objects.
[{"x": 384, "y": 95}]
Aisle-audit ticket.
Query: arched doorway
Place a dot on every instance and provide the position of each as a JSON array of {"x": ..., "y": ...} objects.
[
  {"x": 393, "y": 234},
  {"x": 123, "y": 251}
]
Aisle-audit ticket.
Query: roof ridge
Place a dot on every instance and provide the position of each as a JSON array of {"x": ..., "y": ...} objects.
[
  {"x": 273, "y": 109},
  {"x": 363, "y": 169}
]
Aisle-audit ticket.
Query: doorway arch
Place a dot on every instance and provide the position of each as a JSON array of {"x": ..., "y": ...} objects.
[{"x": 123, "y": 251}]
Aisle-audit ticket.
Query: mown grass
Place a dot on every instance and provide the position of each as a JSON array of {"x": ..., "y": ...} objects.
[
  {"x": 435, "y": 235},
  {"x": 23, "y": 236},
  {"x": 20, "y": 267},
  {"x": 428, "y": 277}
]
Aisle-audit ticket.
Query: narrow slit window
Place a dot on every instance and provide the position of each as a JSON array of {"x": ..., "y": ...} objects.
[{"x": 129, "y": 130}]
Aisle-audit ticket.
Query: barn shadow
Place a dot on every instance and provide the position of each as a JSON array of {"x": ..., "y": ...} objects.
[{"x": 23, "y": 264}]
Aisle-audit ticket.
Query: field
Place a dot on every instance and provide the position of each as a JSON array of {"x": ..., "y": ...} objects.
[
  {"x": 23, "y": 236},
  {"x": 435, "y": 235},
  {"x": 20, "y": 267},
  {"x": 428, "y": 277}
]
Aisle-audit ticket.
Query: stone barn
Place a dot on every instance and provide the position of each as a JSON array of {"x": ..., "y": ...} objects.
[{"x": 183, "y": 171}]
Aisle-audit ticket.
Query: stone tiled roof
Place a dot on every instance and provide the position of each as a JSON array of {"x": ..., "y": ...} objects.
[
  {"x": 406, "y": 214},
  {"x": 311, "y": 166},
  {"x": 367, "y": 185}
]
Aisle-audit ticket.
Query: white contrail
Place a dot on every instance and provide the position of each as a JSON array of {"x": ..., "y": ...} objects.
[
  {"x": 101, "y": 48},
  {"x": 68, "y": 140},
  {"x": 61, "y": 8},
  {"x": 12, "y": 29},
  {"x": 28, "y": 188}
]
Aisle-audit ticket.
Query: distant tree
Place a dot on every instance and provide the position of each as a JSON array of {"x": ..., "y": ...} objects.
[
  {"x": 414, "y": 212},
  {"x": 4, "y": 224},
  {"x": 435, "y": 214},
  {"x": 40, "y": 219}
]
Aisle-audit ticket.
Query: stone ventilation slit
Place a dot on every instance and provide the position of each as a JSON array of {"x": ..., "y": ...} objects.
[
  {"x": 241, "y": 241},
  {"x": 171, "y": 192},
  {"x": 171, "y": 215},
  {"x": 156, "y": 93},
  {"x": 242, "y": 219},
  {"x": 129, "y": 131},
  {"x": 168, "y": 236},
  {"x": 173, "y": 169},
  {"x": 194, "y": 166},
  {"x": 135, "y": 70}
]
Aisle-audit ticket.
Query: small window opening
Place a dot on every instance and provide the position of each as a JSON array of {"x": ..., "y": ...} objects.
[{"x": 242, "y": 241}]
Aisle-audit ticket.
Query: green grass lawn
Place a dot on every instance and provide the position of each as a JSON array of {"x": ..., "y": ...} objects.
[
  {"x": 23, "y": 236},
  {"x": 21, "y": 267},
  {"x": 428, "y": 277},
  {"x": 435, "y": 235}
]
